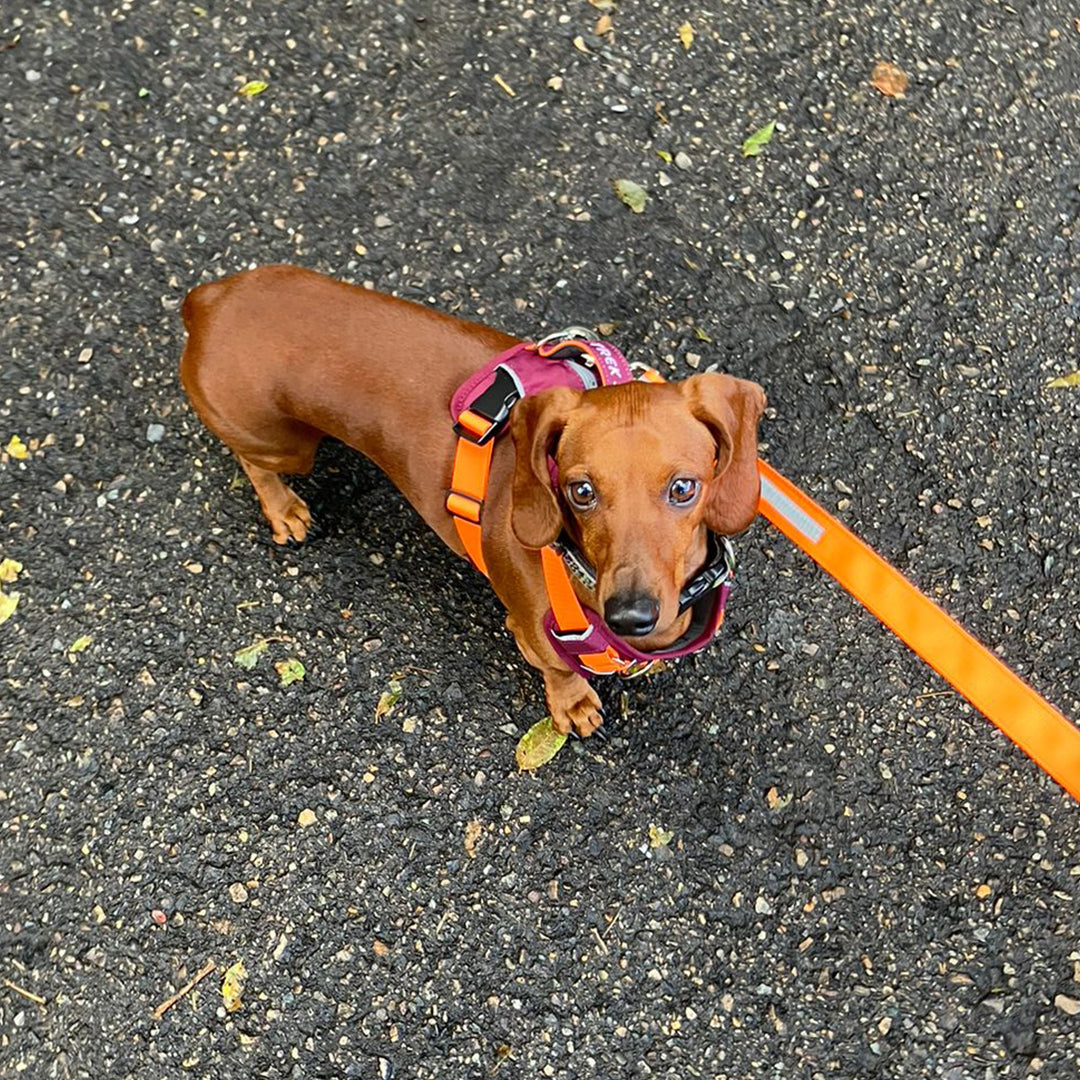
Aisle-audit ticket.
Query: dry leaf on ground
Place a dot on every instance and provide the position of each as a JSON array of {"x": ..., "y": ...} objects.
[
  {"x": 634, "y": 195},
  {"x": 889, "y": 79},
  {"x": 389, "y": 697},
  {"x": 473, "y": 832},
  {"x": 8, "y": 603},
  {"x": 248, "y": 657},
  {"x": 232, "y": 987},
  {"x": 1072, "y": 379},
  {"x": 538, "y": 745},
  {"x": 289, "y": 671}
]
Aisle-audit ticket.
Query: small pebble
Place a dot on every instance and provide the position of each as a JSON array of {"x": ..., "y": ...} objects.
[
  {"x": 238, "y": 893},
  {"x": 382, "y": 222},
  {"x": 155, "y": 433},
  {"x": 32, "y": 75},
  {"x": 682, "y": 160},
  {"x": 306, "y": 818},
  {"x": 762, "y": 906}
]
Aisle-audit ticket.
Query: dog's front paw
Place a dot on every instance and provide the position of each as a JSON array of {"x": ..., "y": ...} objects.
[
  {"x": 292, "y": 521},
  {"x": 578, "y": 710}
]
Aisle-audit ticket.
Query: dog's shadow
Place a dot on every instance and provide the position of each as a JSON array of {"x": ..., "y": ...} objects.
[{"x": 370, "y": 539}]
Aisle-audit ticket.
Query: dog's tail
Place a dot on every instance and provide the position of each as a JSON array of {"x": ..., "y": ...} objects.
[{"x": 199, "y": 298}]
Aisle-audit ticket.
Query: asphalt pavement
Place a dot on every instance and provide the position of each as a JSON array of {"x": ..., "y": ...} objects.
[{"x": 798, "y": 854}]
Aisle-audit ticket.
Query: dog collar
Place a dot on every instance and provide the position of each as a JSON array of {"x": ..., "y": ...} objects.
[
  {"x": 719, "y": 567},
  {"x": 480, "y": 409}
]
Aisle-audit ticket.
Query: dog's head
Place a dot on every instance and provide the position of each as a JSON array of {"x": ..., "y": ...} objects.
[{"x": 643, "y": 471}]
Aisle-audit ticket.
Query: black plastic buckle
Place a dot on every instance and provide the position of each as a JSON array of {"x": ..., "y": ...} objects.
[
  {"x": 719, "y": 568},
  {"x": 493, "y": 405}
]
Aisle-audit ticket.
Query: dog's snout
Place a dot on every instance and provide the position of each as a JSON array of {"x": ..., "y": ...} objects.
[{"x": 631, "y": 614}]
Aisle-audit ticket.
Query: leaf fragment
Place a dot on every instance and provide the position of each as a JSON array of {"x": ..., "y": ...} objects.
[
  {"x": 603, "y": 26},
  {"x": 777, "y": 801},
  {"x": 10, "y": 569},
  {"x": 253, "y": 87},
  {"x": 232, "y": 986},
  {"x": 633, "y": 195},
  {"x": 888, "y": 79},
  {"x": 290, "y": 671},
  {"x": 248, "y": 657},
  {"x": 389, "y": 697},
  {"x": 659, "y": 837},
  {"x": 538, "y": 745},
  {"x": 760, "y": 139},
  {"x": 80, "y": 644},
  {"x": 1062, "y": 381},
  {"x": 8, "y": 603},
  {"x": 702, "y": 336},
  {"x": 686, "y": 35},
  {"x": 664, "y": 156},
  {"x": 502, "y": 84},
  {"x": 17, "y": 448},
  {"x": 473, "y": 831}
]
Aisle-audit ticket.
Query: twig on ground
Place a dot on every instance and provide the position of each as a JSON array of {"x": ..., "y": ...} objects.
[
  {"x": 165, "y": 1006},
  {"x": 36, "y": 998}
]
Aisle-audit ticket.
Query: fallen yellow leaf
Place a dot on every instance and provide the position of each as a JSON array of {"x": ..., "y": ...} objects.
[
  {"x": 659, "y": 837},
  {"x": 17, "y": 448},
  {"x": 686, "y": 35},
  {"x": 253, "y": 87},
  {"x": 538, "y": 745},
  {"x": 8, "y": 603},
  {"x": 10, "y": 569},
  {"x": 1072, "y": 379},
  {"x": 389, "y": 697},
  {"x": 232, "y": 987}
]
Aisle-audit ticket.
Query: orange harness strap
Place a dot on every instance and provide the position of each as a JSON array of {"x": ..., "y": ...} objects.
[
  {"x": 998, "y": 693},
  {"x": 468, "y": 488},
  {"x": 569, "y": 615}
]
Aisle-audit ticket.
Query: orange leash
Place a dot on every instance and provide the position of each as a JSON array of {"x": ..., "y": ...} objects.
[{"x": 1043, "y": 733}]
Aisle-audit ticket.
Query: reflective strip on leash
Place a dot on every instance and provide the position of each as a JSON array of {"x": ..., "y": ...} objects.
[{"x": 1042, "y": 732}]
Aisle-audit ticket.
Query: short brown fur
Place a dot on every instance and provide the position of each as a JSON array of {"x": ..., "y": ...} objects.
[{"x": 279, "y": 357}]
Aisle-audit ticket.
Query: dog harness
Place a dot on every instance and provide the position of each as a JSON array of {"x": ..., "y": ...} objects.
[{"x": 480, "y": 409}]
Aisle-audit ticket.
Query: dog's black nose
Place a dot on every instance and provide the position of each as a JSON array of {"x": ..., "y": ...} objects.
[{"x": 631, "y": 614}]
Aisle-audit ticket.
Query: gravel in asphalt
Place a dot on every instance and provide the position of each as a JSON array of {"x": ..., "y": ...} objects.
[{"x": 863, "y": 878}]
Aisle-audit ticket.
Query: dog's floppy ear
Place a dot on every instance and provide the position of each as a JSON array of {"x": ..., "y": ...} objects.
[
  {"x": 535, "y": 424},
  {"x": 731, "y": 409}
]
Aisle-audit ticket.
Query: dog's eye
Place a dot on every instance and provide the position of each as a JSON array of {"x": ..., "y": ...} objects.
[
  {"x": 581, "y": 494},
  {"x": 682, "y": 491}
]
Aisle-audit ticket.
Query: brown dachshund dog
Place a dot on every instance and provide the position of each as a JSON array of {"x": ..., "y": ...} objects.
[{"x": 279, "y": 357}]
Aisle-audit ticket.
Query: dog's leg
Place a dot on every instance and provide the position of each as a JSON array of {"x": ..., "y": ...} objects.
[
  {"x": 287, "y": 513},
  {"x": 574, "y": 704}
]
